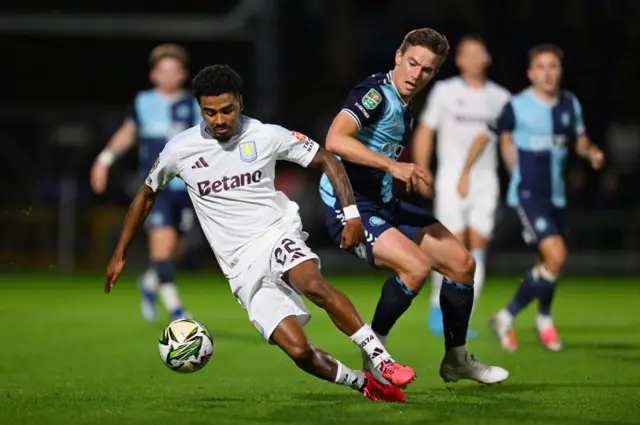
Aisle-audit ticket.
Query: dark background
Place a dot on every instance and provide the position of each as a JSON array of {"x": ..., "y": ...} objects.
[{"x": 71, "y": 70}]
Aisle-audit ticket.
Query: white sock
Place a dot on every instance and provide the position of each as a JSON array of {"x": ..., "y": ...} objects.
[
  {"x": 367, "y": 341},
  {"x": 543, "y": 322},
  {"x": 349, "y": 377},
  {"x": 505, "y": 316},
  {"x": 478, "y": 277},
  {"x": 169, "y": 296},
  {"x": 436, "y": 284},
  {"x": 150, "y": 281}
]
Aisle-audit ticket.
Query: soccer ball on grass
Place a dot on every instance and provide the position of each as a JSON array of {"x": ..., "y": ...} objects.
[{"x": 185, "y": 346}]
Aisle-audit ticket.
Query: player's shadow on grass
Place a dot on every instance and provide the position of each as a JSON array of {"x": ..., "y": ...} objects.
[
  {"x": 620, "y": 358},
  {"x": 428, "y": 407},
  {"x": 220, "y": 400},
  {"x": 219, "y": 335},
  {"x": 599, "y": 329},
  {"x": 594, "y": 345}
]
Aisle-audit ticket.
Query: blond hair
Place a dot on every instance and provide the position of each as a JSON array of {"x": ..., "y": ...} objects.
[{"x": 169, "y": 51}]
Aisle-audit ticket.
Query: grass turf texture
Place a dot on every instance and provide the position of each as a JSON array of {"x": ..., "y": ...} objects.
[{"x": 70, "y": 354}]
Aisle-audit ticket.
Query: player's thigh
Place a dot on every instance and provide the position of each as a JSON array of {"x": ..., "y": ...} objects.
[
  {"x": 397, "y": 252},
  {"x": 553, "y": 253},
  {"x": 449, "y": 209},
  {"x": 448, "y": 255},
  {"x": 306, "y": 277}
]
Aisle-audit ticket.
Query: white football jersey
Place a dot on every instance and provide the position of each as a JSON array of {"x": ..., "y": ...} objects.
[
  {"x": 231, "y": 184},
  {"x": 460, "y": 113}
]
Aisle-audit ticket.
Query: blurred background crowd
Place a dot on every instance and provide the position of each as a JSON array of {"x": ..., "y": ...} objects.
[{"x": 72, "y": 70}]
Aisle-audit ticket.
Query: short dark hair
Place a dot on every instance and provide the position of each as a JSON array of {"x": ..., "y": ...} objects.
[
  {"x": 169, "y": 51},
  {"x": 427, "y": 38},
  {"x": 545, "y": 48},
  {"x": 471, "y": 38},
  {"x": 216, "y": 80}
]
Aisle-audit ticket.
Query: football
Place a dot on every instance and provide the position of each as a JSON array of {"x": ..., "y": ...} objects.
[{"x": 185, "y": 346}]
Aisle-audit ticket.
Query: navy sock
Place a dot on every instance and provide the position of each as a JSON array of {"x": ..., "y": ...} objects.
[
  {"x": 545, "y": 289},
  {"x": 395, "y": 299},
  {"x": 524, "y": 295},
  {"x": 165, "y": 271},
  {"x": 456, "y": 301}
]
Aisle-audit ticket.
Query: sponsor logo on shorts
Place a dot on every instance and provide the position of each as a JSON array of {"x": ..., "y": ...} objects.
[
  {"x": 540, "y": 224},
  {"x": 259, "y": 328},
  {"x": 376, "y": 221},
  {"x": 156, "y": 219}
]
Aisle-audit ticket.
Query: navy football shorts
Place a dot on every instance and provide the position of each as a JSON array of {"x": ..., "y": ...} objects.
[{"x": 376, "y": 219}]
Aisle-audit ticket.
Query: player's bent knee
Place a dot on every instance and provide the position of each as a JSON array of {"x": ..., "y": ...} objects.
[
  {"x": 464, "y": 269},
  {"x": 300, "y": 352},
  {"x": 415, "y": 274}
]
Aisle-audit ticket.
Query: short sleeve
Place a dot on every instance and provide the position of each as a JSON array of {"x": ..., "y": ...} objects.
[
  {"x": 197, "y": 116},
  {"x": 432, "y": 112},
  {"x": 293, "y": 146},
  {"x": 579, "y": 127},
  {"x": 365, "y": 104},
  {"x": 506, "y": 121},
  {"x": 163, "y": 170}
]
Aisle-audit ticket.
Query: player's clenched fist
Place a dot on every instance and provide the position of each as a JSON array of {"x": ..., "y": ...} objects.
[{"x": 352, "y": 233}]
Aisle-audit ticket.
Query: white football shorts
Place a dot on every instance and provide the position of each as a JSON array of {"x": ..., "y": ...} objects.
[
  {"x": 476, "y": 211},
  {"x": 260, "y": 288}
]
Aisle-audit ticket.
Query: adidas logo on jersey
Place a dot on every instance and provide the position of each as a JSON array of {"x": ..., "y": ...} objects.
[
  {"x": 200, "y": 163},
  {"x": 207, "y": 187}
]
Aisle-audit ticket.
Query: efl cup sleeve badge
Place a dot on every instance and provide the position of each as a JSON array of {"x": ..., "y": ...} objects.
[
  {"x": 371, "y": 99},
  {"x": 300, "y": 136},
  {"x": 248, "y": 151}
]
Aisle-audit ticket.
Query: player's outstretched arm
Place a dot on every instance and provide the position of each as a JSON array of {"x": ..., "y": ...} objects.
[
  {"x": 121, "y": 141},
  {"x": 477, "y": 148},
  {"x": 333, "y": 168},
  {"x": 341, "y": 141},
  {"x": 138, "y": 211}
]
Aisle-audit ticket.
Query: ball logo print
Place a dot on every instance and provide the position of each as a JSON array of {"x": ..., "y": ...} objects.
[{"x": 185, "y": 346}]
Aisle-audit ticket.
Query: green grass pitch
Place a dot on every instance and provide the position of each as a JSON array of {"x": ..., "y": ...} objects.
[{"x": 69, "y": 354}]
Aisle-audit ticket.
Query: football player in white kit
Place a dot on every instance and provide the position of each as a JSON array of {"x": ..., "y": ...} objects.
[
  {"x": 228, "y": 165},
  {"x": 459, "y": 109}
]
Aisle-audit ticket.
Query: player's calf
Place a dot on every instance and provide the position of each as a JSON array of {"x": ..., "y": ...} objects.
[
  {"x": 554, "y": 254},
  {"x": 292, "y": 340},
  {"x": 306, "y": 277}
]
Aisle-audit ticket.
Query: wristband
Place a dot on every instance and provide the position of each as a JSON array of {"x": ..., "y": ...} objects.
[
  {"x": 106, "y": 158},
  {"x": 350, "y": 212}
]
